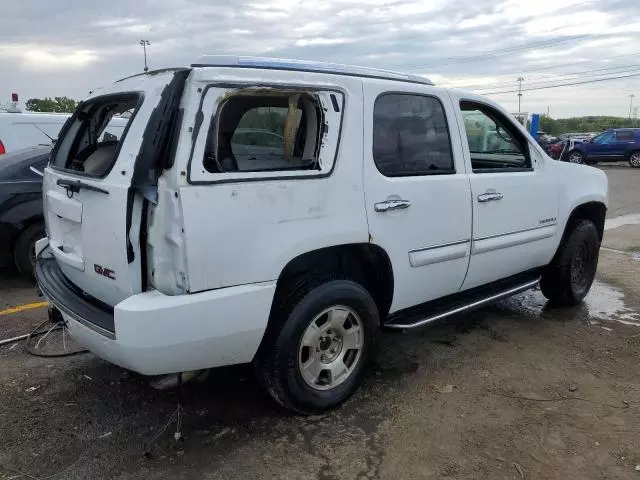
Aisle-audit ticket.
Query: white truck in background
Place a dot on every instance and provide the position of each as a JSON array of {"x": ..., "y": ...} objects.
[{"x": 22, "y": 130}]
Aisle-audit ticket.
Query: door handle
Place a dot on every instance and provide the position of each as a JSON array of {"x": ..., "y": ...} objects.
[
  {"x": 489, "y": 197},
  {"x": 391, "y": 205}
]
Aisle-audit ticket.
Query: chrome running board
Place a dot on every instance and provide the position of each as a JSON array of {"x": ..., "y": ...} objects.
[{"x": 403, "y": 321}]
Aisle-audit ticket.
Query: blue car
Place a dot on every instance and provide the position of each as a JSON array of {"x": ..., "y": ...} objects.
[{"x": 610, "y": 146}]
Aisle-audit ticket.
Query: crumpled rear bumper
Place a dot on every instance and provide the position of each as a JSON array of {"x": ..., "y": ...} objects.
[{"x": 153, "y": 334}]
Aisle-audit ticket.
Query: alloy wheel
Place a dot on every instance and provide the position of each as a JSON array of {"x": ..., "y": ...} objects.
[{"x": 331, "y": 347}]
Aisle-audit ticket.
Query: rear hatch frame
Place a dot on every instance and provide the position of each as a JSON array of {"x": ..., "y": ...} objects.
[{"x": 87, "y": 260}]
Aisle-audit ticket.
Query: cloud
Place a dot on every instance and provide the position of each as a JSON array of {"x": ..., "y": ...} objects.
[{"x": 45, "y": 45}]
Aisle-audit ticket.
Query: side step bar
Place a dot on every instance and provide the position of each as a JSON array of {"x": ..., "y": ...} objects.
[{"x": 406, "y": 321}]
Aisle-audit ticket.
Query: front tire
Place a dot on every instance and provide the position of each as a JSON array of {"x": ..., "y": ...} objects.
[
  {"x": 316, "y": 352},
  {"x": 568, "y": 279},
  {"x": 24, "y": 249},
  {"x": 634, "y": 159}
]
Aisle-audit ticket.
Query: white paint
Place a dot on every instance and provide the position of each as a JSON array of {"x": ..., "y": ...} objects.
[
  {"x": 247, "y": 231},
  {"x": 230, "y": 241},
  {"x": 615, "y": 222},
  {"x": 605, "y": 302},
  {"x": 157, "y": 334},
  {"x": 513, "y": 239},
  {"x": 89, "y": 230},
  {"x": 420, "y": 258},
  {"x": 439, "y": 214}
]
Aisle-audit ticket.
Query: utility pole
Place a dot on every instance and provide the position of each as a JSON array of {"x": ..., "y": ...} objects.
[
  {"x": 631, "y": 104},
  {"x": 520, "y": 80},
  {"x": 145, "y": 44}
]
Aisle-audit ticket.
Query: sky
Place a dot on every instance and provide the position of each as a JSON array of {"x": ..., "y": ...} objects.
[{"x": 68, "y": 47}]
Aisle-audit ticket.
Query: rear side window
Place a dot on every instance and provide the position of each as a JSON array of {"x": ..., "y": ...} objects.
[
  {"x": 265, "y": 132},
  {"x": 91, "y": 139},
  {"x": 625, "y": 136},
  {"x": 410, "y": 136}
]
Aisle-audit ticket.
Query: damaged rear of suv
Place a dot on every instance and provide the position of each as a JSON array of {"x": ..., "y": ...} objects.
[{"x": 164, "y": 246}]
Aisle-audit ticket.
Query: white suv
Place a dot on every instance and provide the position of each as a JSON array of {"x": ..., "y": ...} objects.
[{"x": 282, "y": 212}]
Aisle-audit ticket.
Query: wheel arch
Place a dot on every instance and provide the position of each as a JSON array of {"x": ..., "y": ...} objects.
[
  {"x": 594, "y": 211},
  {"x": 365, "y": 263},
  {"x": 630, "y": 152}
]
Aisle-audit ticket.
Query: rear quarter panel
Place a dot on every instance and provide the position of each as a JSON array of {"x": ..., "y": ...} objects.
[{"x": 247, "y": 231}]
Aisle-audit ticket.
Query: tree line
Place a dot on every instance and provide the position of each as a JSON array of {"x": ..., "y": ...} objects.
[
  {"x": 51, "y": 105},
  {"x": 558, "y": 126}
]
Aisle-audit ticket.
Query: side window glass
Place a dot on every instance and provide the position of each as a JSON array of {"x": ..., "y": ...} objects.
[
  {"x": 625, "y": 136},
  {"x": 494, "y": 142},
  {"x": 410, "y": 136},
  {"x": 604, "y": 138}
]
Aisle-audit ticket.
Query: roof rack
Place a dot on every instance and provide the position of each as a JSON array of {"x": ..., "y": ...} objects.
[{"x": 305, "y": 66}]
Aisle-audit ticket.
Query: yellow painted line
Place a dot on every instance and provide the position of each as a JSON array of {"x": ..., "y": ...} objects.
[{"x": 22, "y": 308}]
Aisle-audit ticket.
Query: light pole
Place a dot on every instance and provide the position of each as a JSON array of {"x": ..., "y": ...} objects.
[
  {"x": 144, "y": 44},
  {"x": 631, "y": 104},
  {"x": 520, "y": 80}
]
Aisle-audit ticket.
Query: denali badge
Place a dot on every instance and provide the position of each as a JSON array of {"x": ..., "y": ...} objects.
[
  {"x": 547, "y": 220},
  {"x": 105, "y": 272}
]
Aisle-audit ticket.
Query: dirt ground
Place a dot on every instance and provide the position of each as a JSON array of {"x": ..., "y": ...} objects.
[{"x": 515, "y": 391}]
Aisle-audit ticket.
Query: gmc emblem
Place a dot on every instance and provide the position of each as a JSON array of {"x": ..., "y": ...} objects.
[{"x": 105, "y": 272}]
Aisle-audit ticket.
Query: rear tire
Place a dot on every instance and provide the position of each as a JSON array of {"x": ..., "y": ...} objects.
[
  {"x": 301, "y": 342},
  {"x": 568, "y": 279},
  {"x": 634, "y": 159},
  {"x": 24, "y": 250},
  {"x": 575, "y": 156}
]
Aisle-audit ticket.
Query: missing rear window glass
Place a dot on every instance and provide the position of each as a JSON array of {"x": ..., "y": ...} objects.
[
  {"x": 265, "y": 131},
  {"x": 91, "y": 142}
]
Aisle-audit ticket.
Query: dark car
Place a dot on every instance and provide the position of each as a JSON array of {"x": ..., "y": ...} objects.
[
  {"x": 21, "y": 218},
  {"x": 610, "y": 146}
]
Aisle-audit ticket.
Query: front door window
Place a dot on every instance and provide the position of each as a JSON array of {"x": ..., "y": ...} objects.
[
  {"x": 494, "y": 142},
  {"x": 604, "y": 138}
]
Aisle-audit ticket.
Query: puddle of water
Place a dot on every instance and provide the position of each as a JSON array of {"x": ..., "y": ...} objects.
[
  {"x": 634, "y": 255},
  {"x": 605, "y": 302},
  {"x": 631, "y": 219}
]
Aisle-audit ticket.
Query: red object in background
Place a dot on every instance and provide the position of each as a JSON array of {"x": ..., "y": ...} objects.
[
  {"x": 14, "y": 97},
  {"x": 556, "y": 149},
  {"x": 2, "y": 150}
]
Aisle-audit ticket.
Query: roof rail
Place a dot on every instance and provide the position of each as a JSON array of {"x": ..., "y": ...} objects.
[{"x": 305, "y": 66}]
